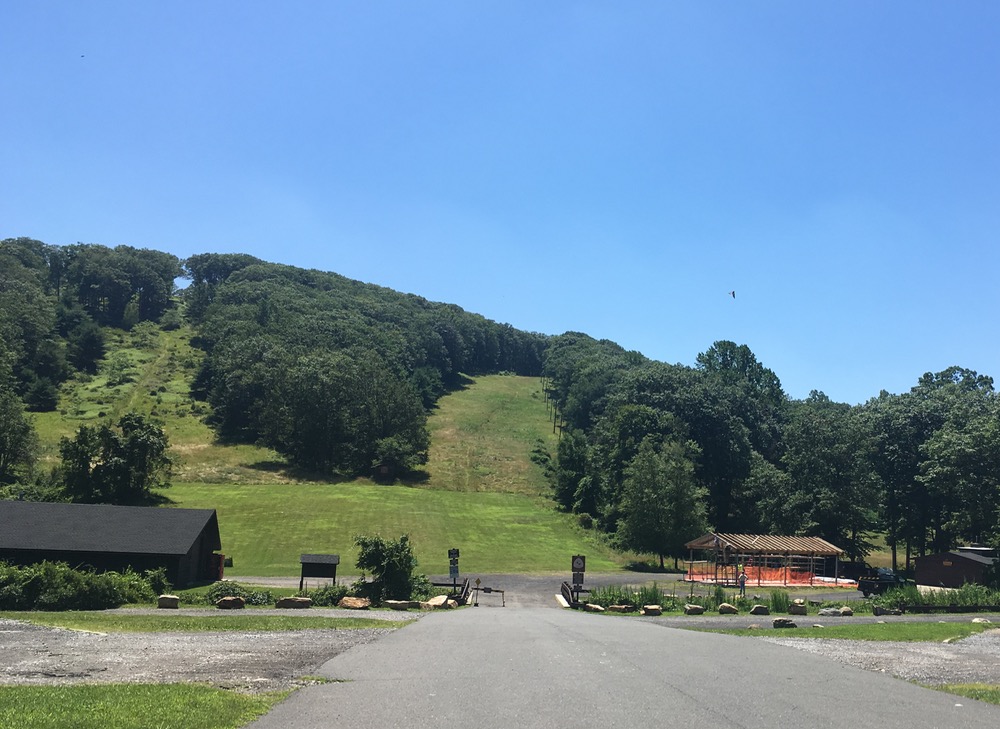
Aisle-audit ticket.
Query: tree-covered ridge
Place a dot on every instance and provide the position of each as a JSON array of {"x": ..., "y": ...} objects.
[
  {"x": 922, "y": 467},
  {"x": 334, "y": 373},
  {"x": 53, "y": 301}
]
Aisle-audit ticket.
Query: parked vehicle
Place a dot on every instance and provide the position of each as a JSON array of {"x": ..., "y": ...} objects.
[{"x": 879, "y": 581}]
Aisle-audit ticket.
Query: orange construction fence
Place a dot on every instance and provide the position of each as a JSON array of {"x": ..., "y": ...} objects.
[{"x": 757, "y": 575}]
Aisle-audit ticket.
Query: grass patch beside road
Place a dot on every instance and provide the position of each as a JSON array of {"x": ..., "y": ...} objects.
[
  {"x": 902, "y": 632},
  {"x": 130, "y": 706},
  {"x": 979, "y": 691},
  {"x": 102, "y": 622}
]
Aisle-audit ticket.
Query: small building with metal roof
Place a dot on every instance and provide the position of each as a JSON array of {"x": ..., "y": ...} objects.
[{"x": 112, "y": 538}]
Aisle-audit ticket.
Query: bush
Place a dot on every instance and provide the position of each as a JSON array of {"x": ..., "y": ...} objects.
[
  {"x": 391, "y": 564},
  {"x": 55, "y": 586},
  {"x": 779, "y": 601},
  {"x": 234, "y": 589},
  {"x": 327, "y": 596},
  {"x": 633, "y": 596}
]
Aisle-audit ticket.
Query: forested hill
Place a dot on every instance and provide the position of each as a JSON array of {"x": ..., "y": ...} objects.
[
  {"x": 334, "y": 373},
  {"x": 338, "y": 376},
  {"x": 657, "y": 453}
]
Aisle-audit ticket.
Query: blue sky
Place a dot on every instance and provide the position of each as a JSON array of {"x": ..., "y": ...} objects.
[{"x": 558, "y": 166}]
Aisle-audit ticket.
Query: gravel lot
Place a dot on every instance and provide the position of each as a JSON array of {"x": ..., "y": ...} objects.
[{"x": 250, "y": 662}]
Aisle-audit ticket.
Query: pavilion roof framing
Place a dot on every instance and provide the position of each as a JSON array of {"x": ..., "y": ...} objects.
[{"x": 765, "y": 544}]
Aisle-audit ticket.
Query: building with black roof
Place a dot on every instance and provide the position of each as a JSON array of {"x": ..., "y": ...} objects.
[
  {"x": 112, "y": 538},
  {"x": 953, "y": 569}
]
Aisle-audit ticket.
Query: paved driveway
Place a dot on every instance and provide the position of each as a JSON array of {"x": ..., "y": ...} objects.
[{"x": 537, "y": 667}]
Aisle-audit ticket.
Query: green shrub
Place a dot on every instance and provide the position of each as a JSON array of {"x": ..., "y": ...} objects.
[
  {"x": 391, "y": 564},
  {"x": 327, "y": 596},
  {"x": 778, "y": 601},
  {"x": 636, "y": 597},
  {"x": 56, "y": 586},
  {"x": 234, "y": 589}
]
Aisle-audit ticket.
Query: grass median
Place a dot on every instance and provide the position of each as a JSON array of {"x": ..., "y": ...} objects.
[
  {"x": 130, "y": 706},
  {"x": 102, "y": 622},
  {"x": 901, "y": 632}
]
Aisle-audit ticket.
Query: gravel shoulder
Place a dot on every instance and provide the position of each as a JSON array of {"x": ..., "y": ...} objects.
[{"x": 250, "y": 662}]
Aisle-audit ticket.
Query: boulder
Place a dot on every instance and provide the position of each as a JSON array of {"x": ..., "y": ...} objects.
[
  {"x": 402, "y": 604},
  {"x": 728, "y": 609},
  {"x": 168, "y": 602},
  {"x": 652, "y": 610},
  {"x": 829, "y": 613},
  {"x": 591, "y": 608},
  {"x": 783, "y": 623},
  {"x": 621, "y": 609},
  {"x": 797, "y": 609},
  {"x": 846, "y": 612},
  {"x": 817, "y": 625},
  {"x": 693, "y": 610},
  {"x": 760, "y": 610},
  {"x": 879, "y": 610},
  {"x": 442, "y": 602},
  {"x": 981, "y": 620},
  {"x": 354, "y": 603},
  {"x": 798, "y": 601},
  {"x": 231, "y": 603},
  {"x": 294, "y": 603}
]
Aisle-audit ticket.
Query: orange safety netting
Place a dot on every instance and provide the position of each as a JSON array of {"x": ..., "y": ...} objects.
[{"x": 707, "y": 572}]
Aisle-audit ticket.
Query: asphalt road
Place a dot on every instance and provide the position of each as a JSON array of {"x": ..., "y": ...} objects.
[{"x": 538, "y": 667}]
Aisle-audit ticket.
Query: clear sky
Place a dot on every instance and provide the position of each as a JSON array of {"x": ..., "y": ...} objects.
[{"x": 611, "y": 168}]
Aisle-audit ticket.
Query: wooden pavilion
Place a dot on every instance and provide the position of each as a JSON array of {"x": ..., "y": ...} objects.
[{"x": 767, "y": 559}]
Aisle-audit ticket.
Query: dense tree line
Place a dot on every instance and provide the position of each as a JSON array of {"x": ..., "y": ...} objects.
[
  {"x": 54, "y": 301},
  {"x": 335, "y": 374},
  {"x": 922, "y": 467}
]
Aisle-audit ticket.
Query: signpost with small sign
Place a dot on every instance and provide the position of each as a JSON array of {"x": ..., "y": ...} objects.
[
  {"x": 453, "y": 567},
  {"x": 578, "y": 567}
]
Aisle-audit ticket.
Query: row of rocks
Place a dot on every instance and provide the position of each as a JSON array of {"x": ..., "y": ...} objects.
[
  {"x": 441, "y": 602},
  {"x": 644, "y": 610}
]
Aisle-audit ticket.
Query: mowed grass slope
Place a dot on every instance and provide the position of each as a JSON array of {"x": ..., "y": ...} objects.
[
  {"x": 483, "y": 495},
  {"x": 482, "y": 437},
  {"x": 484, "y": 489}
]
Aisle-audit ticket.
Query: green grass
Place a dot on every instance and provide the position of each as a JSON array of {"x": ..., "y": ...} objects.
[
  {"x": 223, "y": 621},
  {"x": 266, "y": 527},
  {"x": 482, "y": 438},
  {"x": 130, "y": 706},
  {"x": 903, "y": 632},
  {"x": 484, "y": 490},
  {"x": 989, "y": 693}
]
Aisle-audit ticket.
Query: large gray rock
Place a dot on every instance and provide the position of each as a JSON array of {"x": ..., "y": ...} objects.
[
  {"x": 797, "y": 609},
  {"x": 783, "y": 623},
  {"x": 846, "y": 612},
  {"x": 652, "y": 610},
  {"x": 354, "y": 603},
  {"x": 231, "y": 603},
  {"x": 879, "y": 610},
  {"x": 760, "y": 610},
  {"x": 693, "y": 609},
  {"x": 728, "y": 609},
  {"x": 829, "y": 613},
  {"x": 294, "y": 603},
  {"x": 168, "y": 602}
]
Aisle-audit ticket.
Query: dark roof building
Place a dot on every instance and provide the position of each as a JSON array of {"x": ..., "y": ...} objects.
[
  {"x": 113, "y": 538},
  {"x": 952, "y": 569}
]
